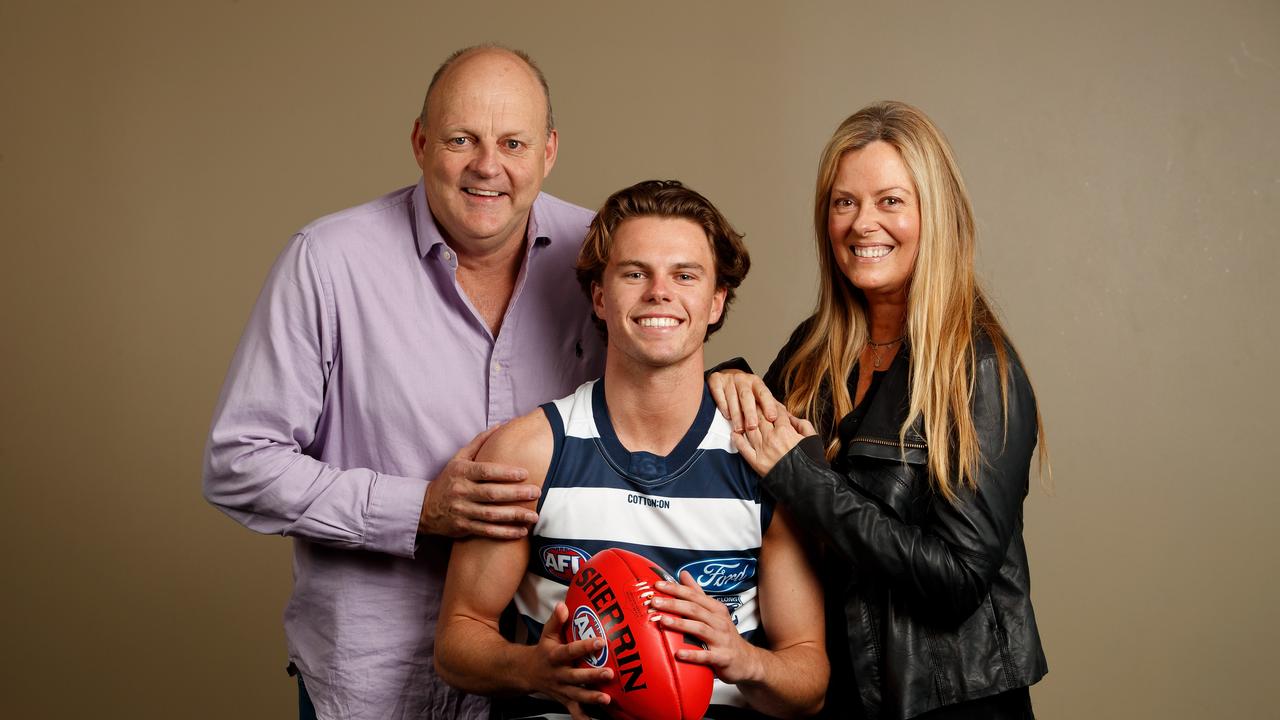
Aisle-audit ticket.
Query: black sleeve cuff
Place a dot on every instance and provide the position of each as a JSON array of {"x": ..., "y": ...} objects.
[{"x": 812, "y": 446}]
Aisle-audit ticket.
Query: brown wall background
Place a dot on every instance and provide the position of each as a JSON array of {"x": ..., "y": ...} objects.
[{"x": 1124, "y": 163}]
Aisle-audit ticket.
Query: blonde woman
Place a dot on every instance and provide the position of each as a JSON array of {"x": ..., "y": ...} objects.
[{"x": 914, "y": 477}]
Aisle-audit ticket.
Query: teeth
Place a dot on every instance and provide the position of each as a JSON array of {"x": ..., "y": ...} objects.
[
  {"x": 482, "y": 193},
  {"x": 658, "y": 322},
  {"x": 871, "y": 252}
]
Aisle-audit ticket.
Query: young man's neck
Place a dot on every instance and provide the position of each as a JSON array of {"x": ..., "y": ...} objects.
[{"x": 652, "y": 408}]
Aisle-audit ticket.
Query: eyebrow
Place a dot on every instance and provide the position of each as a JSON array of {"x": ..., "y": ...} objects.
[
  {"x": 882, "y": 191},
  {"x": 678, "y": 266}
]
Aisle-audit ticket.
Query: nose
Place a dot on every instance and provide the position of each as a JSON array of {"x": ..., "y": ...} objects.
[
  {"x": 658, "y": 289},
  {"x": 865, "y": 222},
  {"x": 484, "y": 163}
]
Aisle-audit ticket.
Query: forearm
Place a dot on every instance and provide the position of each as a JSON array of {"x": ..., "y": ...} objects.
[
  {"x": 277, "y": 490},
  {"x": 472, "y": 656},
  {"x": 790, "y": 682},
  {"x": 917, "y": 562}
]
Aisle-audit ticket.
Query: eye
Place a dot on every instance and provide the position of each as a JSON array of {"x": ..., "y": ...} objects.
[
  {"x": 634, "y": 275},
  {"x": 513, "y": 144},
  {"x": 892, "y": 201},
  {"x": 686, "y": 277},
  {"x": 458, "y": 141},
  {"x": 842, "y": 202}
]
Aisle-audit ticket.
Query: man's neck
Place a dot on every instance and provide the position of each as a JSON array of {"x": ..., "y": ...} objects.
[
  {"x": 488, "y": 276},
  {"x": 652, "y": 408}
]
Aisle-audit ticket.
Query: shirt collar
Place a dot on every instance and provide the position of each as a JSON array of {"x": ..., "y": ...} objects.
[{"x": 429, "y": 237}]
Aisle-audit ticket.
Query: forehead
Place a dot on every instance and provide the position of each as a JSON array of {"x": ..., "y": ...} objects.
[
  {"x": 488, "y": 87},
  {"x": 874, "y": 167},
  {"x": 661, "y": 241}
]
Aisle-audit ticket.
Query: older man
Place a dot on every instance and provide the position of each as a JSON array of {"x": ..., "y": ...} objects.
[{"x": 386, "y": 337}]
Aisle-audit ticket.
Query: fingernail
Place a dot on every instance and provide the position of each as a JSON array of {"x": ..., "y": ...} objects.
[{"x": 534, "y": 493}]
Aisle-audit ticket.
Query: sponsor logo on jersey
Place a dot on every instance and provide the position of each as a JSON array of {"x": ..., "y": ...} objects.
[
  {"x": 731, "y": 603},
  {"x": 563, "y": 561},
  {"x": 721, "y": 575},
  {"x": 586, "y": 626},
  {"x": 646, "y": 501}
]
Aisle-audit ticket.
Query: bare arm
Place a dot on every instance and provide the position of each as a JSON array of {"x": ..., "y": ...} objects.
[
  {"x": 483, "y": 577},
  {"x": 788, "y": 679}
]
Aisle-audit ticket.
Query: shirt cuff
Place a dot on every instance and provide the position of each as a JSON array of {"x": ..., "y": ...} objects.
[{"x": 395, "y": 506}]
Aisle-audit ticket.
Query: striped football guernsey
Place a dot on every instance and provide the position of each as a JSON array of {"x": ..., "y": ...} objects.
[{"x": 699, "y": 509}]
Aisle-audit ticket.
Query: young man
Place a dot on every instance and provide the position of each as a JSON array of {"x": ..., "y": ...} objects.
[{"x": 641, "y": 460}]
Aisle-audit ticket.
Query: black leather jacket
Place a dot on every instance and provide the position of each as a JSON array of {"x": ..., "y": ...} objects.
[{"x": 934, "y": 598}]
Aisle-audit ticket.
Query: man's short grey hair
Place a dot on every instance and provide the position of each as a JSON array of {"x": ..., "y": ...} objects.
[{"x": 459, "y": 54}]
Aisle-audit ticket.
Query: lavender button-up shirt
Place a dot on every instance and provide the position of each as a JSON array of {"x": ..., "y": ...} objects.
[{"x": 363, "y": 369}]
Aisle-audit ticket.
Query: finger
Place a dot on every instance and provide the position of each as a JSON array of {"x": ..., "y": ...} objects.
[
  {"x": 569, "y": 653},
  {"x": 559, "y": 614},
  {"x": 742, "y": 441},
  {"x": 806, "y": 428},
  {"x": 735, "y": 410},
  {"x": 582, "y": 695},
  {"x": 700, "y": 630},
  {"x": 747, "y": 400},
  {"x": 495, "y": 514},
  {"x": 700, "y": 657},
  {"x": 469, "y": 451},
  {"x": 757, "y": 436},
  {"x": 493, "y": 472},
  {"x": 583, "y": 676},
  {"x": 715, "y": 384},
  {"x": 501, "y": 492},
  {"x": 765, "y": 400}
]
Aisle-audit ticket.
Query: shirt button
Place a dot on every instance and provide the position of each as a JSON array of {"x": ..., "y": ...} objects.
[
  {"x": 497, "y": 367},
  {"x": 448, "y": 255}
]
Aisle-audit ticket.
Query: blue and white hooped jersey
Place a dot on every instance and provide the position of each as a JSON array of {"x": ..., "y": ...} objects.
[{"x": 699, "y": 509}]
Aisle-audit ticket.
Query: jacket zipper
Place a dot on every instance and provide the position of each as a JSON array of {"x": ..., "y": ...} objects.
[{"x": 890, "y": 443}]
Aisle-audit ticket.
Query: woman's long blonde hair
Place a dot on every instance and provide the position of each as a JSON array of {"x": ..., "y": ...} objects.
[{"x": 945, "y": 306}]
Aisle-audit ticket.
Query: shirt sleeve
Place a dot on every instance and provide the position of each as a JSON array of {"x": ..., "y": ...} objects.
[{"x": 257, "y": 466}]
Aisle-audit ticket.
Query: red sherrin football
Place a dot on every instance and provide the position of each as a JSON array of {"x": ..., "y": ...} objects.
[{"x": 609, "y": 598}]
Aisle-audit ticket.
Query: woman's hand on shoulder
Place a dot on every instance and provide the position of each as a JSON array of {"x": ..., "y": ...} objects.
[
  {"x": 763, "y": 447},
  {"x": 742, "y": 398}
]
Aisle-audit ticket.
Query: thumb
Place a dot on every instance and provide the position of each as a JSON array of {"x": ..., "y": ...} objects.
[{"x": 556, "y": 622}]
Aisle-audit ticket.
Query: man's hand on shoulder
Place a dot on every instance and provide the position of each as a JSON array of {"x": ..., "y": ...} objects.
[{"x": 477, "y": 496}]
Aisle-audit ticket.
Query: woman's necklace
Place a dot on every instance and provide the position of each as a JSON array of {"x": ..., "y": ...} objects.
[{"x": 877, "y": 349}]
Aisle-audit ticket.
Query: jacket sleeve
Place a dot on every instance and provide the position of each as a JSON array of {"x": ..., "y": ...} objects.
[
  {"x": 256, "y": 466},
  {"x": 947, "y": 563}
]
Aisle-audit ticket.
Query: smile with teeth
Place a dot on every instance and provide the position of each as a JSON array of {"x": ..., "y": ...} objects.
[
  {"x": 874, "y": 251},
  {"x": 658, "y": 322},
  {"x": 481, "y": 193}
]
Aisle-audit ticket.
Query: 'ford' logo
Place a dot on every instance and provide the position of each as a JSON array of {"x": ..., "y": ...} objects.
[
  {"x": 586, "y": 626},
  {"x": 721, "y": 575},
  {"x": 563, "y": 561}
]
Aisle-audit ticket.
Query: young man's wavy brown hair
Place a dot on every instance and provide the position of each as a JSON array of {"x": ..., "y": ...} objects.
[{"x": 666, "y": 199}]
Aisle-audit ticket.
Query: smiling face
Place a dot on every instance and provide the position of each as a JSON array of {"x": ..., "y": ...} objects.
[
  {"x": 874, "y": 221},
  {"x": 658, "y": 293},
  {"x": 484, "y": 150}
]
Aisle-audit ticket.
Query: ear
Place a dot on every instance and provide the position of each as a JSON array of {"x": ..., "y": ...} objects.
[
  {"x": 717, "y": 305},
  {"x": 597, "y": 300},
  {"x": 553, "y": 147},
  {"x": 418, "y": 139}
]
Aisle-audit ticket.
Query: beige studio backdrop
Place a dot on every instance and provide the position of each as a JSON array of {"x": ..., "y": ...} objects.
[{"x": 1123, "y": 160}]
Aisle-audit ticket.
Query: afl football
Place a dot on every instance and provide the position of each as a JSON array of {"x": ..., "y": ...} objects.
[{"x": 609, "y": 598}]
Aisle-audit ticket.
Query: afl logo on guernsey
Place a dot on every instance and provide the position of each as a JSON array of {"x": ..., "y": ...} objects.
[
  {"x": 587, "y": 626},
  {"x": 562, "y": 561},
  {"x": 721, "y": 575}
]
